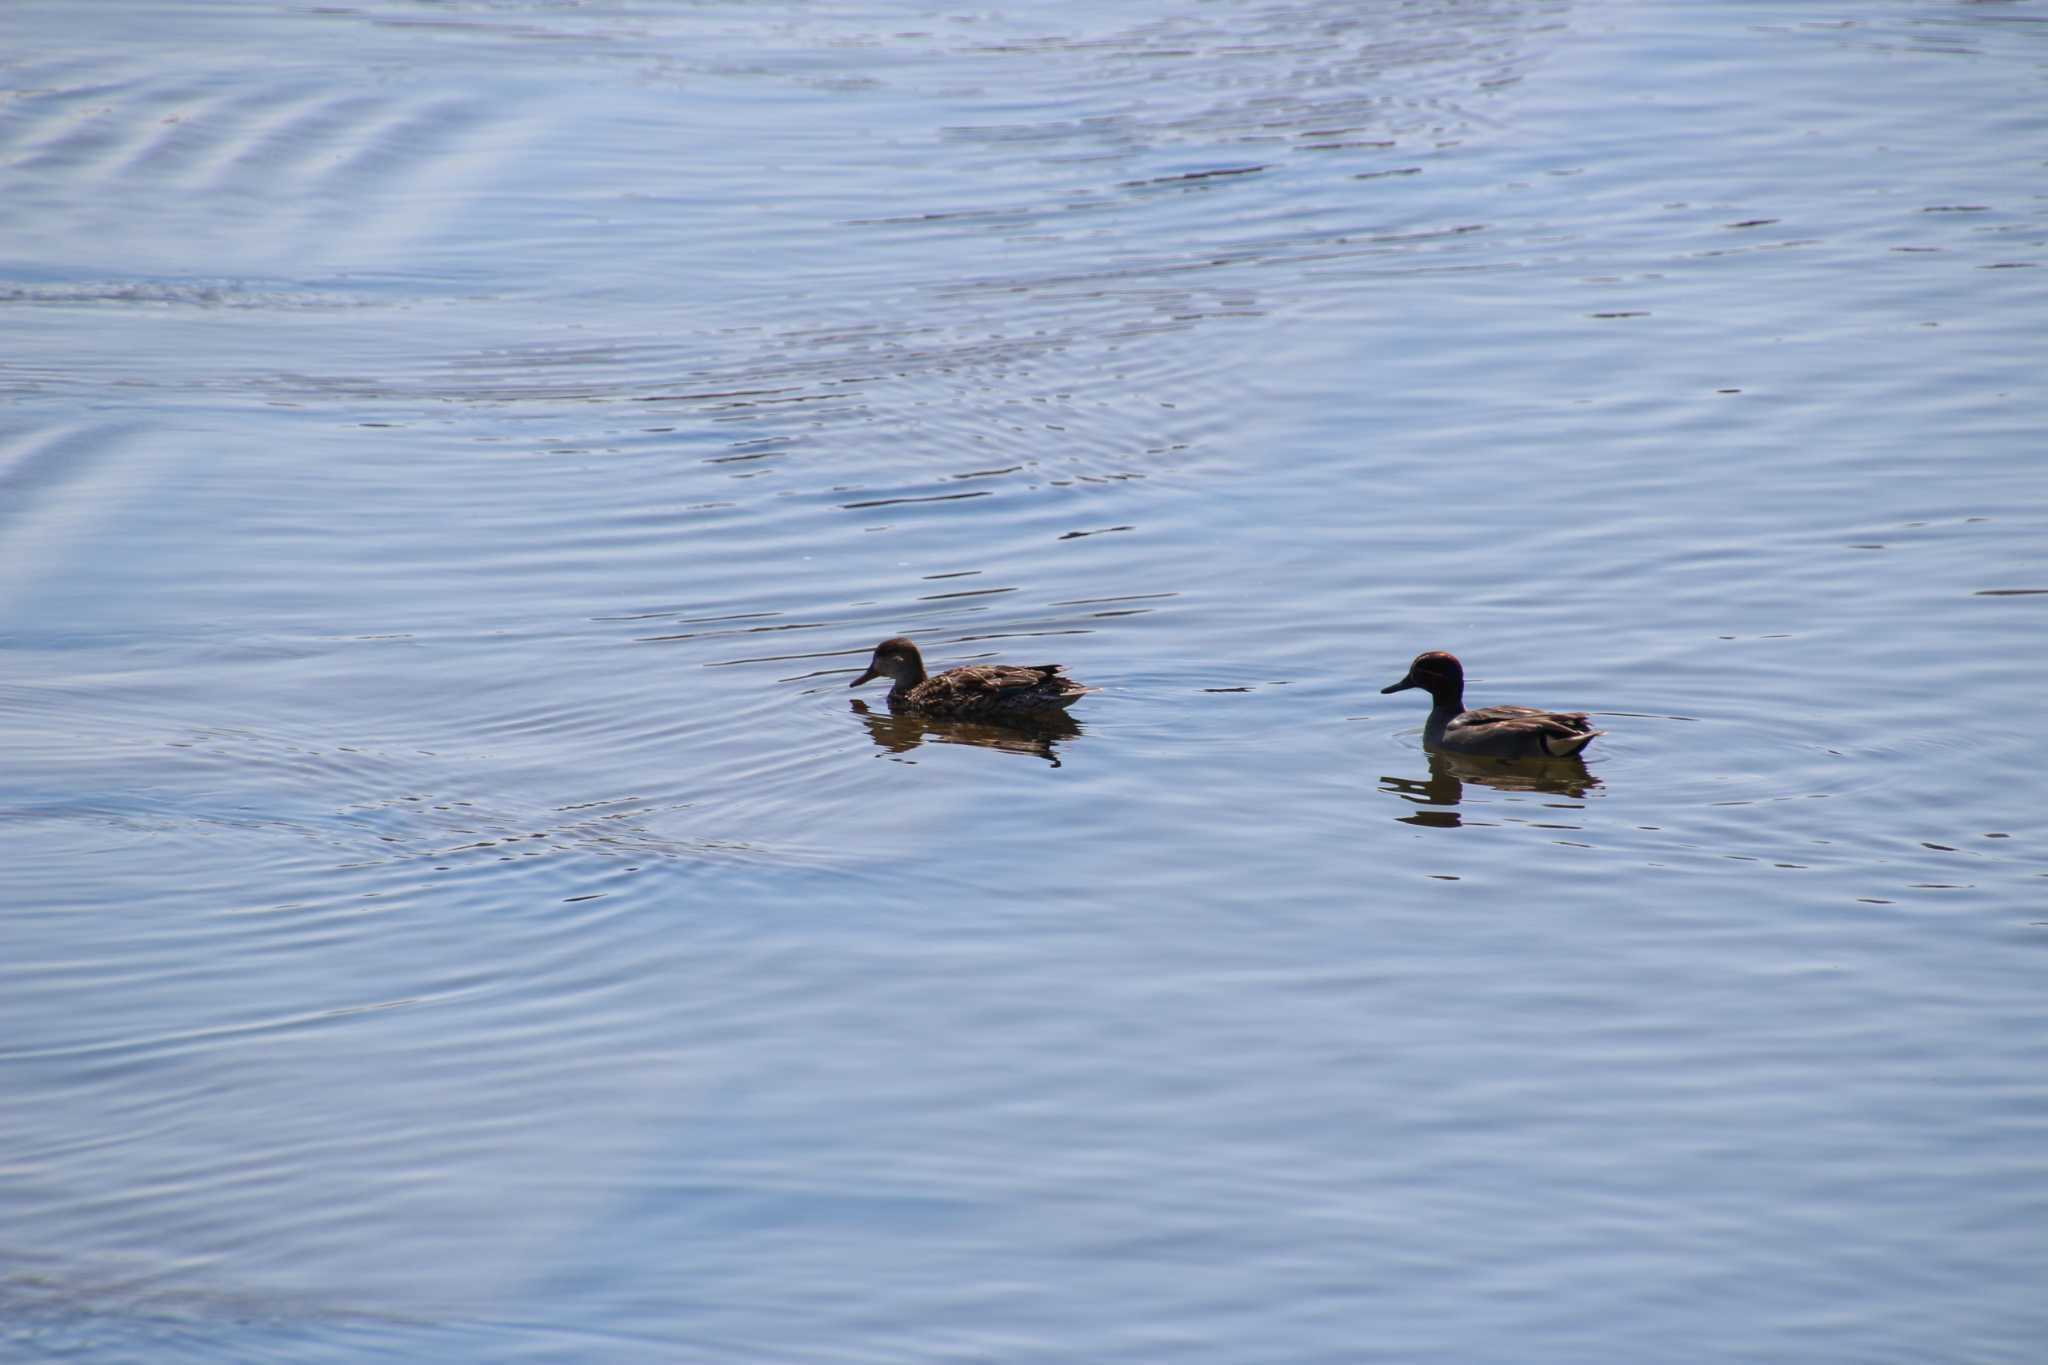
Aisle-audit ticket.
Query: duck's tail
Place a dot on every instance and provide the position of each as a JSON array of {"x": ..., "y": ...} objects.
[{"x": 1564, "y": 746}]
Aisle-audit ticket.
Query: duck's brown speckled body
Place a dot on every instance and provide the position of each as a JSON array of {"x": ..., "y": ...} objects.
[
  {"x": 1499, "y": 731},
  {"x": 990, "y": 692}
]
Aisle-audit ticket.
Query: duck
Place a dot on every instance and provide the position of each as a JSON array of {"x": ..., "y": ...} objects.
[
  {"x": 987, "y": 692},
  {"x": 1498, "y": 731}
]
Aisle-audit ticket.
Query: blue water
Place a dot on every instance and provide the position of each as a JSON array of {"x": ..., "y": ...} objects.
[{"x": 453, "y": 458}]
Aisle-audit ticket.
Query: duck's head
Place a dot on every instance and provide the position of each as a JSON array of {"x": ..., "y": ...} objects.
[
  {"x": 1435, "y": 672},
  {"x": 897, "y": 660}
]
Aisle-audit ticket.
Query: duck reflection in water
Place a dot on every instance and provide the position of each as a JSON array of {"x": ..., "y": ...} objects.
[
  {"x": 1444, "y": 788},
  {"x": 898, "y": 732}
]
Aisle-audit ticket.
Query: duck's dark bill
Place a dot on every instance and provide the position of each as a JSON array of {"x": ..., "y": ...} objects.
[
  {"x": 1400, "y": 686},
  {"x": 868, "y": 676}
]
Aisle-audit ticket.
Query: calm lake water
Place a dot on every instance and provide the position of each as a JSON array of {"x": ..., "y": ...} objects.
[{"x": 454, "y": 456}]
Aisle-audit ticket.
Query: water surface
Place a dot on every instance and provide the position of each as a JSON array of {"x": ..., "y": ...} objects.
[{"x": 453, "y": 458}]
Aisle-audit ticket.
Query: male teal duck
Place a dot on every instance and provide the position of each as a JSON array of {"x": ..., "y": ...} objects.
[
  {"x": 991, "y": 692},
  {"x": 1500, "y": 731}
]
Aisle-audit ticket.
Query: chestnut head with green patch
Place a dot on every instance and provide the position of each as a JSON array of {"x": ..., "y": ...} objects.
[{"x": 1435, "y": 672}]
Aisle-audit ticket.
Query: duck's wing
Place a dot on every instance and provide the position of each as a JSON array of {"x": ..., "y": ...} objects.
[
  {"x": 1570, "y": 722},
  {"x": 994, "y": 680},
  {"x": 1006, "y": 686},
  {"x": 1520, "y": 730}
]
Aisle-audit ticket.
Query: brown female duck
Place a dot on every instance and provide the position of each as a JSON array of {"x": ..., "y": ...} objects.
[
  {"x": 1501, "y": 731},
  {"x": 992, "y": 692}
]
